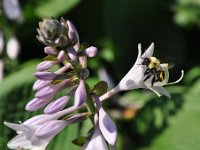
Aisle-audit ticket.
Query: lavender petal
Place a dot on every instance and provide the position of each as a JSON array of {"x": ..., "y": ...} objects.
[
  {"x": 97, "y": 141},
  {"x": 46, "y": 92},
  {"x": 50, "y": 51},
  {"x": 50, "y": 129},
  {"x": 57, "y": 105},
  {"x": 107, "y": 127},
  {"x": 39, "y": 84},
  {"x": 45, "y": 65},
  {"x": 45, "y": 75},
  {"x": 61, "y": 56},
  {"x": 80, "y": 94},
  {"x": 36, "y": 104},
  {"x": 72, "y": 53}
]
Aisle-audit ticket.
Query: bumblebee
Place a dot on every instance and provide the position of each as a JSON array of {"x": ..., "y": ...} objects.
[
  {"x": 155, "y": 70},
  {"x": 151, "y": 63}
]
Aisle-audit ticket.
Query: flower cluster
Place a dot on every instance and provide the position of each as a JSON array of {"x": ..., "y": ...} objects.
[{"x": 63, "y": 49}]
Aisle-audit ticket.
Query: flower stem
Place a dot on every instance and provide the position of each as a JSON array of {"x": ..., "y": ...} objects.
[
  {"x": 109, "y": 93},
  {"x": 89, "y": 102}
]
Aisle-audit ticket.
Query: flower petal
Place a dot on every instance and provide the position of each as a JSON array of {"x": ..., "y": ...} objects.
[
  {"x": 45, "y": 65},
  {"x": 73, "y": 29},
  {"x": 39, "y": 84},
  {"x": 57, "y": 105},
  {"x": 16, "y": 127},
  {"x": 50, "y": 129},
  {"x": 46, "y": 92},
  {"x": 45, "y": 75},
  {"x": 149, "y": 52},
  {"x": 161, "y": 90},
  {"x": 96, "y": 142},
  {"x": 36, "y": 104},
  {"x": 80, "y": 94},
  {"x": 50, "y": 51},
  {"x": 19, "y": 141},
  {"x": 107, "y": 127},
  {"x": 39, "y": 119}
]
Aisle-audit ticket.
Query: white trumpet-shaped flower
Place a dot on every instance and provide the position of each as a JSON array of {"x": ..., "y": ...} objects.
[{"x": 134, "y": 79}]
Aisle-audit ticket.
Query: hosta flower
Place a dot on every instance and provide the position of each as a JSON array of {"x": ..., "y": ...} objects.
[
  {"x": 134, "y": 79},
  {"x": 97, "y": 141},
  {"x": 105, "y": 130},
  {"x": 37, "y": 132}
]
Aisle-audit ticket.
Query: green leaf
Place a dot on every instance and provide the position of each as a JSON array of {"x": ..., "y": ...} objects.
[
  {"x": 100, "y": 88},
  {"x": 80, "y": 141},
  {"x": 182, "y": 132},
  {"x": 55, "y": 8},
  {"x": 16, "y": 91},
  {"x": 50, "y": 58}
]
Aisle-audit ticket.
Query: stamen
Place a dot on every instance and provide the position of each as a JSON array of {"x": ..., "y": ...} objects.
[
  {"x": 150, "y": 88},
  {"x": 177, "y": 81}
]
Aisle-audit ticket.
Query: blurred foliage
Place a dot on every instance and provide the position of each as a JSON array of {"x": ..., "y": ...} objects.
[
  {"x": 187, "y": 13},
  {"x": 45, "y": 8},
  {"x": 15, "y": 93},
  {"x": 116, "y": 27}
]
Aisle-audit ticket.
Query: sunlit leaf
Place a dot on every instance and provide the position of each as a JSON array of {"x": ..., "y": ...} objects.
[{"x": 55, "y": 7}]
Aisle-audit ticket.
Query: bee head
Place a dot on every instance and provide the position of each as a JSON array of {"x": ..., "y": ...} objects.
[{"x": 146, "y": 61}]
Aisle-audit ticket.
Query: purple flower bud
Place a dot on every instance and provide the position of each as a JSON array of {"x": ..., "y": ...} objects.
[
  {"x": 80, "y": 94},
  {"x": 61, "y": 56},
  {"x": 73, "y": 38},
  {"x": 45, "y": 65},
  {"x": 39, "y": 84},
  {"x": 72, "y": 29},
  {"x": 57, "y": 105},
  {"x": 107, "y": 127},
  {"x": 36, "y": 104},
  {"x": 50, "y": 51},
  {"x": 50, "y": 129},
  {"x": 50, "y": 91},
  {"x": 45, "y": 75},
  {"x": 46, "y": 92},
  {"x": 91, "y": 51},
  {"x": 83, "y": 61},
  {"x": 72, "y": 53}
]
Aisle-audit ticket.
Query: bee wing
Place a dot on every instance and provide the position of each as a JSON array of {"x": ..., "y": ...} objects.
[{"x": 170, "y": 65}]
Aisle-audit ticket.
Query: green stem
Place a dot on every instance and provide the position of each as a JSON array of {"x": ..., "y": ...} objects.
[{"x": 90, "y": 104}]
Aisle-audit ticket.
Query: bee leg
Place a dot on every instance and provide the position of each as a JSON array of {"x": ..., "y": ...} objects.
[
  {"x": 153, "y": 80},
  {"x": 147, "y": 71},
  {"x": 147, "y": 77}
]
